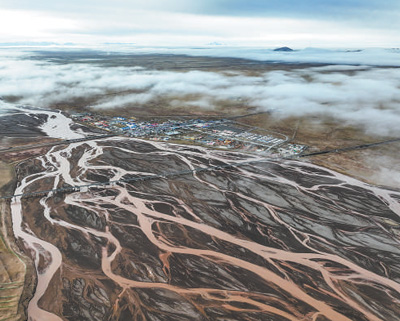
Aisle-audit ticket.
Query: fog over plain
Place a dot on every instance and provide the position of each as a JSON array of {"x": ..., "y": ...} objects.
[
  {"x": 256, "y": 233},
  {"x": 358, "y": 95}
]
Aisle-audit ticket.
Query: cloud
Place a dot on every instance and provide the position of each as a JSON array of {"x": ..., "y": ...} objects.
[
  {"x": 283, "y": 8},
  {"x": 359, "y": 96},
  {"x": 27, "y": 25},
  {"x": 386, "y": 169},
  {"x": 188, "y": 22},
  {"x": 345, "y": 58}
]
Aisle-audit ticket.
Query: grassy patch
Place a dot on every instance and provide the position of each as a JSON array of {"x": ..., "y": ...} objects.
[{"x": 12, "y": 268}]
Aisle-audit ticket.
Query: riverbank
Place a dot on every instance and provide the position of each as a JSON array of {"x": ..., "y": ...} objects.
[
  {"x": 17, "y": 275},
  {"x": 377, "y": 165}
]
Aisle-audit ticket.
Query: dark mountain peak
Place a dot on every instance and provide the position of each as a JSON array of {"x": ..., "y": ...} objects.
[{"x": 283, "y": 49}]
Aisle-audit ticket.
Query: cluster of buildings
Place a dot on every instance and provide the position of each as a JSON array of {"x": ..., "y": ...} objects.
[
  {"x": 213, "y": 133},
  {"x": 134, "y": 128}
]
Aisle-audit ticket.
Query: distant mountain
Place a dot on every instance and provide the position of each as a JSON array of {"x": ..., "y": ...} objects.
[{"x": 287, "y": 49}]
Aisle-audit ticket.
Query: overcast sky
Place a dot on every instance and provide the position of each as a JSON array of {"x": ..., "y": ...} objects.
[{"x": 296, "y": 23}]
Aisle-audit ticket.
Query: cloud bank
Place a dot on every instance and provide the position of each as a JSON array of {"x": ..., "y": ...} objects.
[
  {"x": 360, "y": 96},
  {"x": 370, "y": 56},
  {"x": 328, "y": 23}
]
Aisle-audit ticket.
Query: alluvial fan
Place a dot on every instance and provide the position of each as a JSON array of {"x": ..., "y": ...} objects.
[{"x": 266, "y": 240}]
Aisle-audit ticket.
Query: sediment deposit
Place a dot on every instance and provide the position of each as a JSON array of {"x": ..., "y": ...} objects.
[{"x": 274, "y": 240}]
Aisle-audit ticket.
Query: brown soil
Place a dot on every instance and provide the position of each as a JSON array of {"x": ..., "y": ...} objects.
[
  {"x": 16, "y": 272},
  {"x": 195, "y": 262},
  {"x": 373, "y": 165}
]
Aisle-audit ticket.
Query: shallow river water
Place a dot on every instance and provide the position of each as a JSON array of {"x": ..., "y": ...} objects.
[{"x": 274, "y": 240}]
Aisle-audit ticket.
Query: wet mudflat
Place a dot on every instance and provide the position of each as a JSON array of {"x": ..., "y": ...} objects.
[{"x": 275, "y": 240}]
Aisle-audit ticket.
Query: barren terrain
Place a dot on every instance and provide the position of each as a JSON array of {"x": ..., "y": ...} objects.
[
  {"x": 282, "y": 240},
  {"x": 377, "y": 165},
  {"x": 13, "y": 286}
]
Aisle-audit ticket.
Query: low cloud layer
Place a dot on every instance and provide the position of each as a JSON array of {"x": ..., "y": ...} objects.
[
  {"x": 369, "y": 56},
  {"x": 361, "y": 96},
  {"x": 386, "y": 169}
]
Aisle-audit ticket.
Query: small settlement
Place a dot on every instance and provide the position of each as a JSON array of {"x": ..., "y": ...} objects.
[{"x": 217, "y": 133}]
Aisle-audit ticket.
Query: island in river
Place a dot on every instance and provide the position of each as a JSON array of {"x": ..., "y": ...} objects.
[{"x": 231, "y": 236}]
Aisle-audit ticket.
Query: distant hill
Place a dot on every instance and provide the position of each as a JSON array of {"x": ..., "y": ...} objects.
[{"x": 287, "y": 49}]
